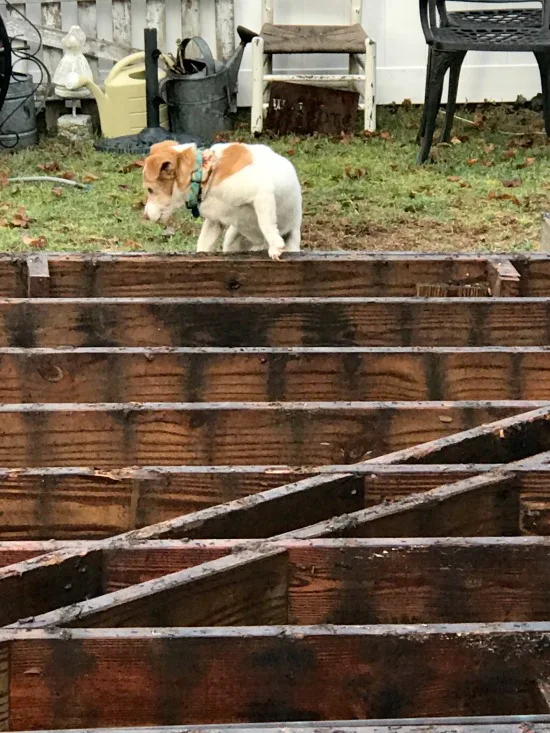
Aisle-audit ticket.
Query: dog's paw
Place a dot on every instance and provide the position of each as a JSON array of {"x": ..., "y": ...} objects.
[{"x": 276, "y": 251}]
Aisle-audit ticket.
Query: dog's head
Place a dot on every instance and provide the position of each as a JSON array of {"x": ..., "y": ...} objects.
[{"x": 166, "y": 177}]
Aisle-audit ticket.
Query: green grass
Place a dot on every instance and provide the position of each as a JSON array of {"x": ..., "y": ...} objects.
[{"x": 484, "y": 192}]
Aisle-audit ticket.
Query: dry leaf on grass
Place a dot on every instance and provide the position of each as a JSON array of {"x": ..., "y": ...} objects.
[
  {"x": 507, "y": 154},
  {"x": 355, "y": 172},
  {"x": 132, "y": 166},
  {"x": 35, "y": 242},
  {"x": 3, "y": 179},
  {"x": 20, "y": 219},
  {"x": 386, "y": 135},
  {"x": 512, "y": 183},
  {"x": 67, "y": 175},
  {"x": 57, "y": 191},
  {"x": 89, "y": 178},
  {"x": 51, "y": 167}
]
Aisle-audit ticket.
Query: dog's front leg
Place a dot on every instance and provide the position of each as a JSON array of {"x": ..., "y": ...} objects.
[
  {"x": 208, "y": 237},
  {"x": 266, "y": 211}
]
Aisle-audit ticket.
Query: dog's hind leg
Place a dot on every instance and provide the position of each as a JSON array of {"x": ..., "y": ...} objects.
[
  {"x": 233, "y": 241},
  {"x": 266, "y": 211},
  {"x": 293, "y": 240}
]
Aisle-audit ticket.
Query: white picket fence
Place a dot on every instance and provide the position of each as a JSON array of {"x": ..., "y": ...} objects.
[{"x": 114, "y": 27}]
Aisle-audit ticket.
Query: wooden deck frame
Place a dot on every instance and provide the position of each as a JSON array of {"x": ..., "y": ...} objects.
[{"x": 391, "y": 369}]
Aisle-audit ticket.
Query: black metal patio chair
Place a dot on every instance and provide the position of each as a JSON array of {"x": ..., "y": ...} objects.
[{"x": 450, "y": 35}]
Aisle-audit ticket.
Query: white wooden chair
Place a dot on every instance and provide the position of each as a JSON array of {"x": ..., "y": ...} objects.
[{"x": 293, "y": 39}]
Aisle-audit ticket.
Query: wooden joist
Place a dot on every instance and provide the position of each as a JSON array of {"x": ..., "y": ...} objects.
[
  {"x": 504, "y": 279},
  {"x": 275, "y": 673},
  {"x": 150, "y": 434},
  {"x": 273, "y": 374},
  {"x": 307, "y": 274}
]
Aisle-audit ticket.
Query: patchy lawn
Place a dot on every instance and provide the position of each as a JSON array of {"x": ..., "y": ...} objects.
[{"x": 484, "y": 192}]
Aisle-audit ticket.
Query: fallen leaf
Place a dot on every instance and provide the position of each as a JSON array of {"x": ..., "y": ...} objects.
[
  {"x": 132, "y": 166},
  {"x": 455, "y": 141},
  {"x": 291, "y": 152},
  {"x": 487, "y": 163},
  {"x": 490, "y": 148},
  {"x": 4, "y": 223},
  {"x": 3, "y": 179},
  {"x": 355, "y": 172},
  {"x": 465, "y": 184},
  {"x": 386, "y": 135},
  {"x": 526, "y": 163},
  {"x": 67, "y": 175},
  {"x": 453, "y": 179},
  {"x": 394, "y": 167},
  {"x": 123, "y": 187},
  {"x": 57, "y": 191},
  {"x": 507, "y": 154},
  {"x": 48, "y": 167},
  {"x": 132, "y": 244},
  {"x": 89, "y": 178},
  {"x": 35, "y": 242},
  {"x": 472, "y": 161},
  {"x": 20, "y": 219},
  {"x": 512, "y": 183}
]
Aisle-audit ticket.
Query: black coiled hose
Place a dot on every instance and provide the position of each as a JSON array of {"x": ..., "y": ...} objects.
[{"x": 5, "y": 62}]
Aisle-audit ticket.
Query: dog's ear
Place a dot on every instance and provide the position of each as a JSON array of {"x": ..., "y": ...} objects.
[
  {"x": 161, "y": 165},
  {"x": 162, "y": 146}
]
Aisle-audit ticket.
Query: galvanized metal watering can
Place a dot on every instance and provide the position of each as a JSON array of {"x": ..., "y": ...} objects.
[{"x": 201, "y": 94}]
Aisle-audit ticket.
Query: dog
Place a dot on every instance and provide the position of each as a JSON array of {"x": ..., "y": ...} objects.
[{"x": 249, "y": 190}]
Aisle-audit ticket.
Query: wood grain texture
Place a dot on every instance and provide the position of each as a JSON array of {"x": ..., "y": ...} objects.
[
  {"x": 272, "y": 374},
  {"x": 4, "y": 687},
  {"x": 463, "y": 581},
  {"x": 475, "y": 507},
  {"x": 38, "y": 283},
  {"x": 245, "y": 589},
  {"x": 94, "y": 503},
  {"x": 119, "y": 435},
  {"x": 34, "y": 587},
  {"x": 144, "y": 322},
  {"x": 306, "y": 274},
  {"x": 214, "y": 676}
]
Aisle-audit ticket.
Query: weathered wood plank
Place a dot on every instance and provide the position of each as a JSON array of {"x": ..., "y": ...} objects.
[
  {"x": 4, "y": 687},
  {"x": 452, "y": 581},
  {"x": 485, "y": 724},
  {"x": 310, "y": 275},
  {"x": 272, "y": 374},
  {"x": 504, "y": 279},
  {"x": 275, "y": 673},
  {"x": 246, "y": 589},
  {"x": 275, "y": 322},
  {"x": 128, "y": 434},
  {"x": 38, "y": 275},
  {"x": 34, "y": 587},
  {"x": 481, "y": 506}
]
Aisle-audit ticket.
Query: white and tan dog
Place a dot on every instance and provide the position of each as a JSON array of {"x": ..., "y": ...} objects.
[{"x": 249, "y": 189}]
